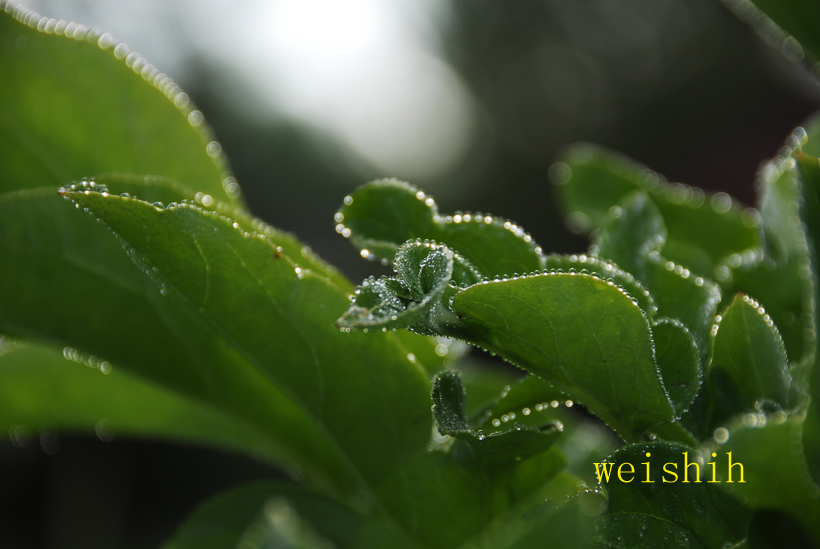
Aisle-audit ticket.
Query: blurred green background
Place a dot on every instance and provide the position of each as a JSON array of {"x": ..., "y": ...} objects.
[{"x": 469, "y": 100}]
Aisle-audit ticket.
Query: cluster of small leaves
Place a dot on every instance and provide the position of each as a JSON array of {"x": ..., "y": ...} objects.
[
  {"x": 688, "y": 322},
  {"x": 629, "y": 329}
]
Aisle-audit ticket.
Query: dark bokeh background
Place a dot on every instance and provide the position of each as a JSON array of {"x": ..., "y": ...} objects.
[{"x": 681, "y": 85}]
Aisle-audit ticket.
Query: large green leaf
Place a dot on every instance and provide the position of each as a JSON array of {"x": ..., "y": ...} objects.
[
  {"x": 381, "y": 216},
  {"x": 49, "y": 391},
  {"x": 646, "y": 512},
  {"x": 537, "y": 322},
  {"x": 279, "y": 515},
  {"x": 72, "y": 105},
  {"x": 360, "y": 391},
  {"x": 66, "y": 280}
]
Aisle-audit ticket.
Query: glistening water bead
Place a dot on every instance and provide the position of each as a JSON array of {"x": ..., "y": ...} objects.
[{"x": 540, "y": 407}]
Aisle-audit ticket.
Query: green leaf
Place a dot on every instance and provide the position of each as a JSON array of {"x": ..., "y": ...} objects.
[
  {"x": 672, "y": 514},
  {"x": 774, "y": 467},
  {"x": 633, "y": 238},
  {"x": 781, "y": 281},
  {"x": 683, "y": 296},
  {"x": 418, "y": 297},
  {"x": 381, "y": 216},
  {"x": 224, "y": 296},
  {"x": 748, "y": 369},
  {"x": 796, "y": 17},
  {"x": 608, "y": 271},
  {"x": 678, "y": 361},
  {"x": 808, "y": 169},
  {"x": 529, "y": 401},
  {"x": 532, "y": 401},
  {"x": 65, "y": 280},
  {"x": 486, "y": 384},
  {"x": 166, "y": 191},
  {"x": 282, "y": 515},
  {"x": 784, "y": 293},
  {"x": 501, "y": 447},
  {"x": 591, "y": 181},
  {"x": 71, "y": 108},
  {"x": 536, "y": 321},
  {"x": 50, "y": 391},
  {"x": 748, "y": 347},
  {"x": 635, "y": 230},
  {"x": 538, "y": 337}
]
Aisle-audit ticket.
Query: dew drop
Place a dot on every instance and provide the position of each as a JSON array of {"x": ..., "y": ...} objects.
[
  {"x": 103, "y": 431},
  {"x": 721, "y": 435},
  {"x": 121, "y": 50},
  {"x": 721, "y": 202},
  {"x": 195, "y": 119}
]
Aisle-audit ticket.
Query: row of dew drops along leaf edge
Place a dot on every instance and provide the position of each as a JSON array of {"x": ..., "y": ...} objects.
[
  {"x": 456, "y": 218},
  {"x": 263, "y": 231},
  {"x": 519, "y": 232},
  {"x": 139, "y": 65},
  {"x": 19, "y": 435},
  {"x": 675, "y": 193},
  {"x": 769, "y": 172}
]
